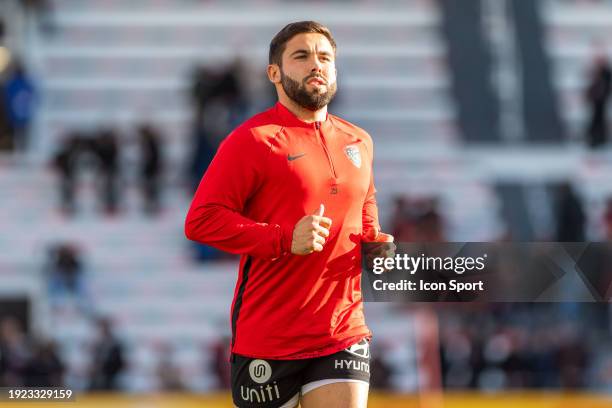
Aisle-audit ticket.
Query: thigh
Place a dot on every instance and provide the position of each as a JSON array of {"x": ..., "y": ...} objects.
[
  {"x": 266, "y": 383},
  {"x": 337, "y": 395},
  {"x": 338, "y": 380}
]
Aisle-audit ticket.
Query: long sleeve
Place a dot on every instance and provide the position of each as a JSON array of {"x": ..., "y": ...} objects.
[
  {"x": 214, "y": 217},
  {"x": 370, "y": 208}
]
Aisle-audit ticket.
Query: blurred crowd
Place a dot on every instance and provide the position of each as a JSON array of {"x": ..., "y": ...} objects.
[
  {"x": 503, "y": 346},
  {"x": 511, "y": 346},
  {"x": 28, "y": 361},
  {"x": 100, "y": 153},
  {"x": 25, "y": 361},
  {"x": 219, "y": 102},
  {"x": 420, "y": 219}
]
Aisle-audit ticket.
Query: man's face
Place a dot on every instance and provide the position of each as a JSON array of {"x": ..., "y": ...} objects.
[{"x": 308, "y": 71}]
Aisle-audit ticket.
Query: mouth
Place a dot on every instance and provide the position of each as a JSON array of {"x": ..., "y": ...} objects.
[{"x": 317, "y": 81}]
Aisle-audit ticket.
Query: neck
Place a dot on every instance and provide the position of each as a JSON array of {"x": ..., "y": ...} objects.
[{"x": 302, "y": 113}]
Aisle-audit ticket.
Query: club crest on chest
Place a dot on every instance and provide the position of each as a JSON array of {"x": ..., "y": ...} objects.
[{"x": 354, "y": 155}]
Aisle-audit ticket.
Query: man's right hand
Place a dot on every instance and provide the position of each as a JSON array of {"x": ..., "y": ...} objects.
[{"x": 310, "y": 233}]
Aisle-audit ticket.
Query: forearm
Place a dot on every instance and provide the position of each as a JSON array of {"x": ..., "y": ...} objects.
[
  {"x": 227, "y": 230},
  {"x": 370, "y": 215}
]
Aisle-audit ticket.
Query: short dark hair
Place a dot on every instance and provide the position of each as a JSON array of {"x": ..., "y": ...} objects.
[{"x": 277, "y": 45}]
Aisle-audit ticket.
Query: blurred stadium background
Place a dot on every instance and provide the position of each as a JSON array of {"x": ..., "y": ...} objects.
[{"x": 489, "y": 120}]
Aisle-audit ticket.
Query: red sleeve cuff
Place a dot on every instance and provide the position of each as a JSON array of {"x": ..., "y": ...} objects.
[{"x": 286, "y": 238}]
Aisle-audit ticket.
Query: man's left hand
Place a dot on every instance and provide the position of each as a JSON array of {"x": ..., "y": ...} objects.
[{"x": 379, "y": 245}]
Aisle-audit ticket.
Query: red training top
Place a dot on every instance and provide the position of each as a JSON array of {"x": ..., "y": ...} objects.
[{"x": 266, "y": 175}]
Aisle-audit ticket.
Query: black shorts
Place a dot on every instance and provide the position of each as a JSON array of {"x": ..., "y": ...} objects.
[{"x": 272, "y": 383}]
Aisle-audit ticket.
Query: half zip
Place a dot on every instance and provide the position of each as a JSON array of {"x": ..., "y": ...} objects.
[{"x": 331, "y": 163}]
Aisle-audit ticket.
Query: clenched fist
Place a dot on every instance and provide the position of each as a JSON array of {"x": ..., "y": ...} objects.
[
  {"x": 310, "y": 233},
  {"x": 377, "y": 245}
]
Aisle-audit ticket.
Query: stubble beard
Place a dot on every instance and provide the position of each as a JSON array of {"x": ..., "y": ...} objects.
[{"x": 312, "y": 101}]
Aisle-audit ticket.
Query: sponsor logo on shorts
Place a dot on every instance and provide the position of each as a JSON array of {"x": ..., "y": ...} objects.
[
  {"x": 260, "y": 371},
  {"x": 352, "y": 365},
  {"x": 361, "y": 349},
  {"x": 263, "y": 394}
]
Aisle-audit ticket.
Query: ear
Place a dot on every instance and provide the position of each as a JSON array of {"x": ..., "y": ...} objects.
[{"x": 274, "y": 73}]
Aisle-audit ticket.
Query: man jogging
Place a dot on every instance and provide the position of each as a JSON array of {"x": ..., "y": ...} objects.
[{"x": 292, "y": 191}]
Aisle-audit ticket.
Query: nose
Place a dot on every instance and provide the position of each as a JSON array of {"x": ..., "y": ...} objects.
[{"x": 317, "y": 66}]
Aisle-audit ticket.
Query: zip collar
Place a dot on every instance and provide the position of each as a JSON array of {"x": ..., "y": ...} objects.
[{"x": 289, "y": 119}]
